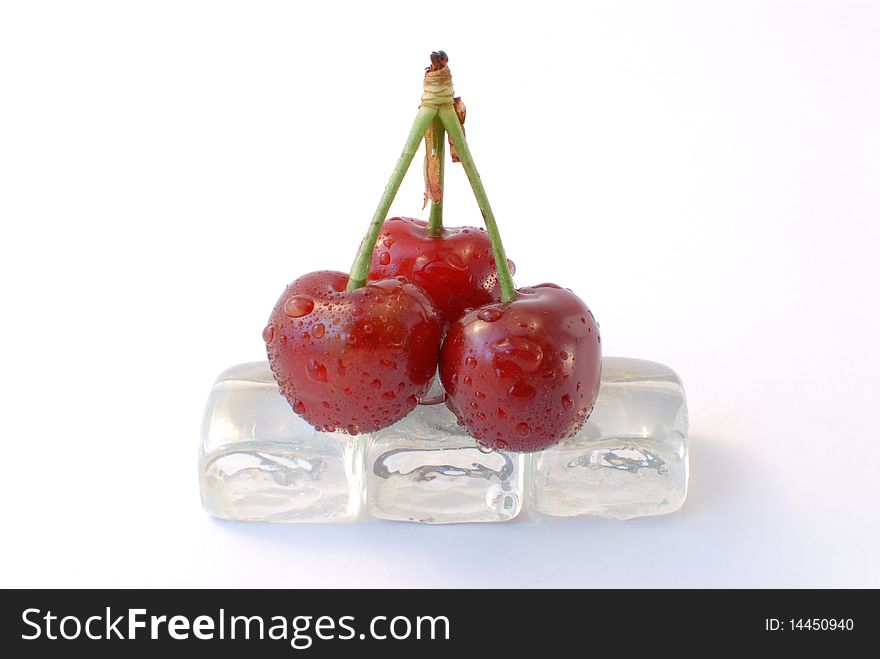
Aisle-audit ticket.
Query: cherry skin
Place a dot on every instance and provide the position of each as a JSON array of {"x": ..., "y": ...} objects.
[
  {"x": 523, "y": 375},
  {"x": 455, "y": 268},
  {"x": 354, "y": 361}
]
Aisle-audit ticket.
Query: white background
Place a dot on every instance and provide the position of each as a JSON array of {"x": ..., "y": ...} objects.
[{"x": 704, "y": 174}]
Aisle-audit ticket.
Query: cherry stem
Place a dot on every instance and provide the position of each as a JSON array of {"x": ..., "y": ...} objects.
[
  {"x": 361, "y": 267},
  {"x": 456, "y": 134},
  {"x": 435, "y": 220}
]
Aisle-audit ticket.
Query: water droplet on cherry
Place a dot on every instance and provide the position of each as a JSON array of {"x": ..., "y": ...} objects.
[
  {"x": 521, "y": 390},
  {"x": 521, "y": 351},
  {"x": 471, "y": 362},
  {"x": 389, "y": 395},
  {"x": 316, "y": 370},
  {"x": 490, "y": 315},
  {"x": 384, "y": 258},
  {"x": 523, "y": 428},
  {"x": 387, "y": 363},
  {"x": 299, "y": 407},
  {"x": 268, "y": 333},
  {"x": 318, "y": 330},
  {"x": 567, "y": 402},
  {"x": 298, "y": 306}
]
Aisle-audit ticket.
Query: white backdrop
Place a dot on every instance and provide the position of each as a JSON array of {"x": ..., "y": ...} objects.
[{"x": 703, "y": 174}]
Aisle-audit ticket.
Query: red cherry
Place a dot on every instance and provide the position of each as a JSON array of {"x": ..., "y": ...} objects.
[
  {"x": 354, "y": 361},
  {"x": 456, "y": 269},
  {"x": 523, "y": 375}
]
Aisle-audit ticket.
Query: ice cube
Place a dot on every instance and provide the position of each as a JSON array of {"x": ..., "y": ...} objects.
[
  {"x": 426, "y": 468},
  {"x": 631, "y": 457},
  {"x": 259, "y": 461}
]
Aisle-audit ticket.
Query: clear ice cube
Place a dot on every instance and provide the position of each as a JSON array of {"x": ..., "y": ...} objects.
[
  {"x": 426, "y": 468},
  {"x": 630, "y": 459},
  {"x": 259, "y": 461}
]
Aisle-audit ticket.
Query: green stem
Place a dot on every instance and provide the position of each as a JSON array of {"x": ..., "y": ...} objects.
[
  {"x": 361, "y": 266},
  {"x": 456, "y": 134},
  {"x": 435, "y": 220}
]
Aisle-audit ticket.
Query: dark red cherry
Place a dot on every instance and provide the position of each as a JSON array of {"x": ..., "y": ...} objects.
[
  {"x": 354, "y": 361},
  {"x": 523, "y": 375},
  {"x": 455, "y": 268}
]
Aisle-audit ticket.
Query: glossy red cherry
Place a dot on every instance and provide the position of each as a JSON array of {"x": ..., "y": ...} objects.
[
  {"x": 455, "y": 268},
  {"x": 354, "y": 361},
  {"x": 523, "y": 375}
]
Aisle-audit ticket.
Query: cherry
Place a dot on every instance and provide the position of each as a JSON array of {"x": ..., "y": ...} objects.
[
  {"x": 356, "y": 360},
  {"x": 454, "y": 266},
  {"x": 523, "y": 375}
]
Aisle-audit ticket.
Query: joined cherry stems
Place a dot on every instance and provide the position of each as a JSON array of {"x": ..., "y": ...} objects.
[{"x": 437, "y": 109}]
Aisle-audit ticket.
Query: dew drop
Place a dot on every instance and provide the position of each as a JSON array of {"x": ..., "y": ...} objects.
[
  {"x": 501, "y": 444},
  {"x": 299, "y": 407},
  {"x": 299, "y": 306},
  {"x": 520, "y": 351},
  {"x": 316, "y": 370},
  {"x": 368, "y": 328},
  {"x": 489, "y": 315},
  {"x": 352, "y": 429},
  {"x": 357, "y": 311},
  {"x": 471, "y": 362},
  {"x": 375, "y": 384},
  {"x": 567, "y": 402},
  {"x": 384, "y": 258},
  {"x": 578, "y": 387},
  {"x": 318, "y": 330},
  {"x": 412, "y": 400},
  {"x": 305, "y": 336},
  {"x": 387, "y": 363},
  {"x": 501, "y": 413},
  {"x": 523, "y": 429},
  {"x": 389, "y": 395},
  {"x": 563, "y": 355},
  {"x": 481, "y": 395},
  {"x": 468, "y": 379},
  {"x": 352, "y": 339},
  {"x": 388, "y": 242},
  {"x": 268, "y": 333},
  {"x": 521, "y": 390}
]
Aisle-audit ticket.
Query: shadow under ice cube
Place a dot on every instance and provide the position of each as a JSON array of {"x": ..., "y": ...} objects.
[
  {"x": 426, "y": 468},
  {"x": 259, "y": 461},
  {"x": 630, "y": 459}
]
